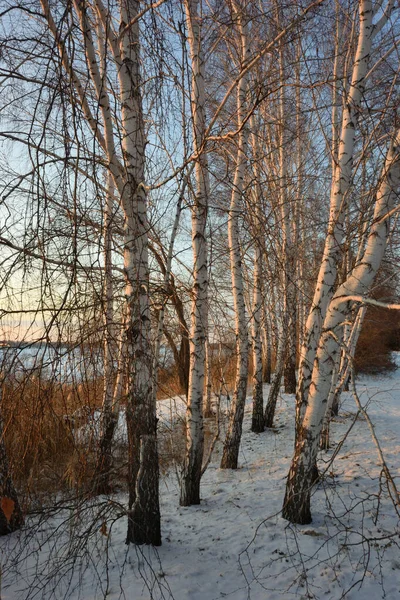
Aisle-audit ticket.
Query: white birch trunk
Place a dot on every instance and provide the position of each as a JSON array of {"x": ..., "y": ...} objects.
[
  {"x": 285, "y": 361},
  {"x": 144, "y": 513},
  {"x": 257, "y": 421},
  {"x": 191, "y": 474},
  {"x": 208, "y": 413},
  {"x": 296, "y": 506},
  {"x": 233, "y": 435},
  {"x": 341, "y": 181}
]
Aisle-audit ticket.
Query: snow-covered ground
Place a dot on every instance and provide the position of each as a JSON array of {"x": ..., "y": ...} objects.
[{"x": 235, "y": 544}]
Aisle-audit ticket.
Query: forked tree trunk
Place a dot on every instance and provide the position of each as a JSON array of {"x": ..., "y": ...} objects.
[
  {"x": 128, "y": 175},
  {"x": 341, "y": 179},
  {"x": 230, "y": 453},
  {"x": 192, "y": 468},
  {"x": 296, "y": 507},
  {"x": 347, "y": 360}
]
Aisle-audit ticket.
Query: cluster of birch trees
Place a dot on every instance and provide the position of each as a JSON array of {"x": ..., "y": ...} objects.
[{"x": 263, "y": 133}]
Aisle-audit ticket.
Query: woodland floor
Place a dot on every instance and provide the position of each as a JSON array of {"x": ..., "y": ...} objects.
[{"x": 235, "y": 545}]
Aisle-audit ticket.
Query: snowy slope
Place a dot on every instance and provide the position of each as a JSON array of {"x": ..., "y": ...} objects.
[{"x": 235, "y": 545}]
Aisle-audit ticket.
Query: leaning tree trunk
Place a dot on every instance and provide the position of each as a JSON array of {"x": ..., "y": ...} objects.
[
  {"x": 192, "y": 468},
  {"x": 296, "y": 507},
  {"x": 266, "y": 347},
  {"x": 341, "y": 179},
  {"x": 270, "y": 406},
  {"x": 230, "y": 453}
]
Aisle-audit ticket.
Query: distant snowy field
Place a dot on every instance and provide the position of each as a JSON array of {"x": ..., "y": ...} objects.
[{"x": 235, "y": 545}]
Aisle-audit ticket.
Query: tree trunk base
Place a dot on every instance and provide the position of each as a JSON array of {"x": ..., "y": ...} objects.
[
  {"x": 144, "y": 525},
  {"x": 257, "y": 423},
  {"x": 190, "y": 481},
  {"x": 101, "y": 480},
  {"x": 257, "y": 420},
  {"x": 269, "y": 413},
  {"x": 324, "y": 443},
  {"x": 290, "y": 379}
]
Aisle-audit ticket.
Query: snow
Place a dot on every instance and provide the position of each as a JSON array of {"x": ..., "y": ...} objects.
[{"x": 235, "y": 544}]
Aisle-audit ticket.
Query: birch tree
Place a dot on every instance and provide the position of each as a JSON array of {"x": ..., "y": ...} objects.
[
  {"x": 191, "y": 474},
  {"x": 232, "y": 441},
  {"x": 257, "y": 423},
  {"x": 296, "y": 507},
  {"x": 128, "y": 176},
  {"x": 341, "y": 181}
]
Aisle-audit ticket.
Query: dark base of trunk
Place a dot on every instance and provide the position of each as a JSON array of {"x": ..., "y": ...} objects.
[
  {"x": 296, "y": 506},
  {"x": 230, "y": 459},
  {"x": 230, "y": 454},
  {"x": 296, "y": 509},
  {"x": 190, "y": 497},
  {"x": 324, "y": 440},
  {"x": 314, "y": 477},
  {"x": 144, "y": 525},
  {"x": 143, "y": 528},
  {"x": 191, "y": 477},
  {"x": 269, "y": 413},
  {"x": 257, "y": 420},
  {"x": 290, "y": 379},
  {"x": 257, "y": 423},
  {"x": 101, "y": 482},
  {"x": 335, "y": 406},
  {"x": 267, "y": 372}
]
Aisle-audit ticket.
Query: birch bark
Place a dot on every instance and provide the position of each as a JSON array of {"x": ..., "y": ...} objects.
[
  {"x": 143, "y": 515},
  {"x": 191, "y": 474},
  {"x": 341, "y": 181},
  {"x": 144, "y": 512},
  {"x": 234, "y": 432},
  {"x": 257, "y": 422},
  {"x": 296, "y": 507}
]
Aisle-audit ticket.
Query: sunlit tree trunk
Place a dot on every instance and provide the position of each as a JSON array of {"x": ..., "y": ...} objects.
[
  {"x": 266, "y": 346},
  {"x": 341, "y": 179},
  {"x": 191, "y": 474},
  {"x": 234, "y": 432},
  {"x": 286, "y": 355},
  {"x": 296, "y": 507},
  {"x": 257, "y": 422}
]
